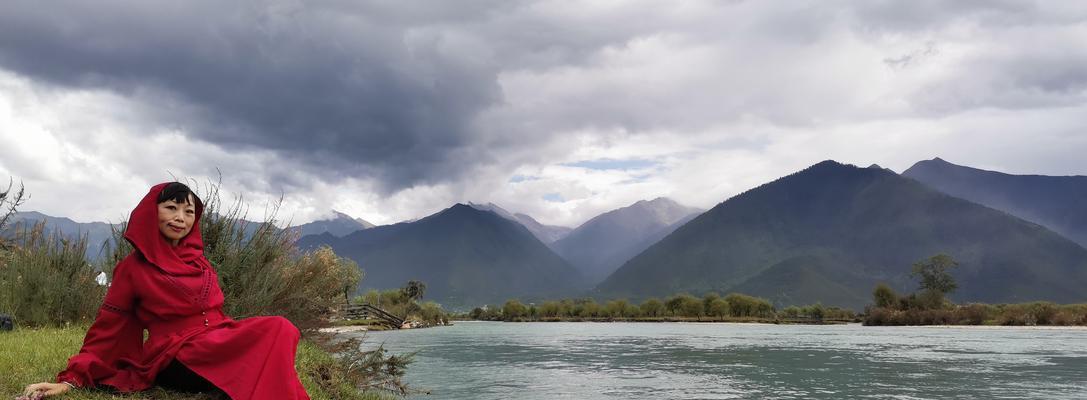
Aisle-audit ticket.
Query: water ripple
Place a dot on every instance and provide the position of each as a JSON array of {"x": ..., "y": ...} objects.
[{"x": 478, "y": 360}]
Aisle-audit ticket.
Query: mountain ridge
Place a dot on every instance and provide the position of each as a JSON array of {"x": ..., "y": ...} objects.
[
  {"x": 601, "y": 244},
  {"x": 1056, "y": 202},
  {"x": 854, "y": 227},
  {"x": 466, "y": 256}
]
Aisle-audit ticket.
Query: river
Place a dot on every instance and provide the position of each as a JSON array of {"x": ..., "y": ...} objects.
[{"x": 494, "y": 360}]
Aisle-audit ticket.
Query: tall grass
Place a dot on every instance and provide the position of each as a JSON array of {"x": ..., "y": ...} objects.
[
  {"x": 262, "y": 271},
  {"x": 46, "y": 280}
]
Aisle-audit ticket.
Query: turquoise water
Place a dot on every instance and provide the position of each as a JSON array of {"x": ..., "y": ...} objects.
[{"x": 494, "y": 360}]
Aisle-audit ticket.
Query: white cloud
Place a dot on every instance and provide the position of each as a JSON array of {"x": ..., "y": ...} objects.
[{"x": 714, "y": 97}]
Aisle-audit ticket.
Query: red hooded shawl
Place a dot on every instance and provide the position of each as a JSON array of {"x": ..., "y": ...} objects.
[{"x": 173, "y": 292}]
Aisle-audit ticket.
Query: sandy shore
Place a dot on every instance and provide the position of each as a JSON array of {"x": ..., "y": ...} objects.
[{"x": 343, "y": 329}]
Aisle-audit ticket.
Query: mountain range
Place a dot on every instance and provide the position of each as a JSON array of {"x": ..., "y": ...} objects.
[
  {"x": 339, "y": 224},
  {"x": 97, "y": 233},
  {"x": 826, "y": 234},
  {"x": 600, "y": 245},
  {"x": 829, "y": 233},
  {"x": 465, "y": 255},
  {"x": 1057, "y": 202},
  {"x": 547, "y": 234}
]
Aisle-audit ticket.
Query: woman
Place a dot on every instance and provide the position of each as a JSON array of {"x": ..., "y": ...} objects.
[{"x": 167, "y": 287}]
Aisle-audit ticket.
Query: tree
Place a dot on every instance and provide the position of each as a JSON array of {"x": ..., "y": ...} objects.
[
  {"x": 935, "y": 274},
  {"x": 551, "y": 309},
  {"x": 674, "y": 304},
  {"x": 514, "y": 310},
  {"x": 692, "y": 307},
  {"x": 12, "y": 201},
  {"x": 707, "y": 299},
  {"x": 617, "y": 308},
  {"x": 652, "y": 308},
  {"x": 717, "y": 308},
  {"x": 587, "y": 308},
  {"x": 884, "y": 297},
  {"x": 414, "y": 290},
  {"x": 815, "y": 311}
]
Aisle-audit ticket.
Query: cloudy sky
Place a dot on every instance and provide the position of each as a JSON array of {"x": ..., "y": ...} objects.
[{"x": 392, "y": 110}]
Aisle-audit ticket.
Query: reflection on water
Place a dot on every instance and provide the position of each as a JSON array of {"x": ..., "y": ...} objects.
[{"x": 493, "y": 360}]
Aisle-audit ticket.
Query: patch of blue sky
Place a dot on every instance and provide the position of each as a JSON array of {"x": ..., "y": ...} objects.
[
  {"x": 609, "y": 163},
  {"x": 522, "y": 178},
  {"x": 553, "y": 197}
]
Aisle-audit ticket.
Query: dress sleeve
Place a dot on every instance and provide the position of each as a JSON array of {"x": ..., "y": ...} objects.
[{"x": 115, "y": 334}]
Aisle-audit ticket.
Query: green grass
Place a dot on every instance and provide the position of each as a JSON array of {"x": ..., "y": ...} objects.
[{"x": 36, "y": 355}]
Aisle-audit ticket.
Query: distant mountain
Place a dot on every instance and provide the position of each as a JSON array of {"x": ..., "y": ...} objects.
[
  {"x": 339, "y": 225},
  {"x": 1057, "y": 202},
  {"x": 466, "y": 256},
  {"x": 599, "y": 246},
  {"x": 829, "y": 233},
  {"x": 547, "y": 234},
  {"x": 97, "y": 232}
]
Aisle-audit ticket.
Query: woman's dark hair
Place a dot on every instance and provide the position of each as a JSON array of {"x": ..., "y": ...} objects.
[{"x": 178, "y": 192}]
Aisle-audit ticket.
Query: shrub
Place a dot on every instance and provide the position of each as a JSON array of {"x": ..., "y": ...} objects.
[
  {"x": 45, "y": 279},
  {"x": 884, "y": 297},
  {"x": 1070, "y": 314},
  {"x": 974, "y": 314},
  {"x": 652, "y": 308},
  {"x": 741, "y": 305}
]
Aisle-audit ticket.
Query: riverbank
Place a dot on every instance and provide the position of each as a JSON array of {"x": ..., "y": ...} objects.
[
  {"x": 738, "y": 320},
  {"x": 36, "y": 355}
]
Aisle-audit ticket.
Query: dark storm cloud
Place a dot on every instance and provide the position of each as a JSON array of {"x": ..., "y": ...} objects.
[
  {"x": 350, "y": 90},
  {"x": 422, "y": 93}
]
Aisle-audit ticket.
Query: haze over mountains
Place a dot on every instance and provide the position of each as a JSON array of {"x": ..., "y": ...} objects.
[
  {"x": 599, "y": 246},
  {"x": 829, "y": 233},
  {"x": 339, "y": 224},
  {"x": 97, "y": 232},
  {"x": 547, "y": 234},
  {"x": 1057, "y": 202}
]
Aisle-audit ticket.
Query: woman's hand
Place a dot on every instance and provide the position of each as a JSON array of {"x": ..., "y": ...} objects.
[{"x": 44, "y": 389}]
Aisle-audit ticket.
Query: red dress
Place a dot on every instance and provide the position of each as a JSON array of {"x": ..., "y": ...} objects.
[{"x": 174, "y": 293}]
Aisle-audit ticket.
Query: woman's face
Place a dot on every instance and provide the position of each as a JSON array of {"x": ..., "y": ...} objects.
[{"x": 176, "y": 219}]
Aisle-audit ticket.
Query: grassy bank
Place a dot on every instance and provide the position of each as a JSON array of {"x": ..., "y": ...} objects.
[{"x": 36, "y": 355}]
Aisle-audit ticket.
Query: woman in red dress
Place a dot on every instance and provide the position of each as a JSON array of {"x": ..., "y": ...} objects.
[{"x": 167, "y": 287}]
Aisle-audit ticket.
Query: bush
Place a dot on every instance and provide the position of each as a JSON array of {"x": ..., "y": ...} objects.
[
  {"x": 741, "y": 305},
  {"x": 45, "y": 279},
  {"x": 513, "y": 310},
  {"x": 431, "y": 313},
  {"x": 884, "y": 297},
  {"x": 260, "y": 269},
  {"x": 352, "y": 368},
  {"x": 974, "y": 314},
  {"x": 400, "y": 303},
  {"x": 1070, "y": 314}
]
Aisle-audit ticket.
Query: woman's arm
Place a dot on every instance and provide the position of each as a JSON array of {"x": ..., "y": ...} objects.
[
  {"x": 45, "y": 389},
  {"x": 115, "y": 334}
]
